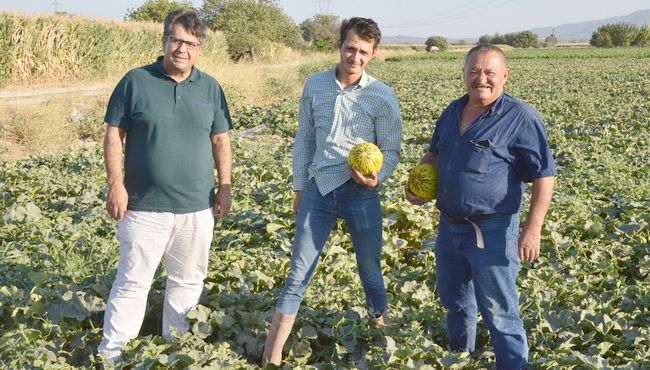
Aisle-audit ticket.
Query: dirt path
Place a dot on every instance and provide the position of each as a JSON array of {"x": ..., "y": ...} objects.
[{"x": 39, "y": 95}]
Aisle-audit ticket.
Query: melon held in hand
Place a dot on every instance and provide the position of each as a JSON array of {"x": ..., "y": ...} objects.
[
  {"x": 423, "y": 181},
  {"x": 366, "y": 158}
]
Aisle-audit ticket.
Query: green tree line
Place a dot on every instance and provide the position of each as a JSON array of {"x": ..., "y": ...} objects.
[
  {"x": 250, "y": 26},
  {"x": 621, "y": 35},
  {"x": 524, "y": 39},
  {"x": 255, "y": 26}
]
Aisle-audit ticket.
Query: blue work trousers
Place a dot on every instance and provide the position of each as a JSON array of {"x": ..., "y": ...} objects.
[
  {"x": 468, "y": 276},
  {"x": 360, "y": 208}
]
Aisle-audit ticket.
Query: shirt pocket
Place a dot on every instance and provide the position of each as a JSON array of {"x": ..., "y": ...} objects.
[{"x": 480, "y": 156}]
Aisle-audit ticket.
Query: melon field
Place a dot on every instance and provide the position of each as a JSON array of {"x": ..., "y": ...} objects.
[{"x": 585, "y": 303}]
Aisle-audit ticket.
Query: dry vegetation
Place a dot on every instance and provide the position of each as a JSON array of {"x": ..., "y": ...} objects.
[
  {"x": 45, "y": 49},
  {"x": 45, "y": 54},
  {"x": 41, "y": 122}
]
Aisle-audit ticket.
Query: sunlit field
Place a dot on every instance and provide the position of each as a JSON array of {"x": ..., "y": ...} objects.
[{"x": 585, "y": 303}]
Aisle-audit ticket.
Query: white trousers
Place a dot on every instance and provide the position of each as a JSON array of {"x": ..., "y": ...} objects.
[{"x": 145, "y": 237}]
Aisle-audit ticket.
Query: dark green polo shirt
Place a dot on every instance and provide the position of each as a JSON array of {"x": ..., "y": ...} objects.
[{"x": 168, "y": 164}]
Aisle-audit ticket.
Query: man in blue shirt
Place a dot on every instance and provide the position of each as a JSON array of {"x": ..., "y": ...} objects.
[
  {"x": 339, "y": 108},
  {"x": 486, "y": 146}
]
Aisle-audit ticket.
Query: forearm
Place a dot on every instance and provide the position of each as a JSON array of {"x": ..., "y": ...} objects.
[
  {"x": 540, "y": 202},
  {"x": 222, "y": 154},
  {"x": 113, "y": 155},
  {"x": 429, "y": 158}
]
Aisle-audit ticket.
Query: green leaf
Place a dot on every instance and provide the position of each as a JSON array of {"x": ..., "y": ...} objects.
[
  {"x": 32, "y": 212},
  {"x": 604, "y": 347},
  {"x": 38, "y": 278},
  {"x": 272, "y": 228},
  {"x": 308, "y": 332}
]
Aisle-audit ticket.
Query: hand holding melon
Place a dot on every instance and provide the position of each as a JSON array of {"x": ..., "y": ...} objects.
[
  {"x": 423, "y": 181},
  {"x": 366, "y": 158}
]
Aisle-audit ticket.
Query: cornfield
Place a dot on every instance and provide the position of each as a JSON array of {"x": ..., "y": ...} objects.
[{"x": 63, "y": 48}]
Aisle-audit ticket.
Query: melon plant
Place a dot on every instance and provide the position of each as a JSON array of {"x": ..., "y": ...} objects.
[
  {"x": 423, "y": 181},
  {"x": 366, "y": 158}
]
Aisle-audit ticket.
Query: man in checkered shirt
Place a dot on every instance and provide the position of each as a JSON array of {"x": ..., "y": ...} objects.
[{"x": 339, "y": 108}]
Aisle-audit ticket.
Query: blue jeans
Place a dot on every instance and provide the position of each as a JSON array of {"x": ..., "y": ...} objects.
[
  {"x": 468, "y": 277},
  {"x": 359, "y": 207}
]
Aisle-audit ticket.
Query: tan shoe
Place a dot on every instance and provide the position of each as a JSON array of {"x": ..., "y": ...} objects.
[{"x": 278, "y": 334}]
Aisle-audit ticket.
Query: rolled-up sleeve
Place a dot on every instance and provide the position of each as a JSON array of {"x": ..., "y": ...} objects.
[
  {"x": 389, "y": 136},
  {"x": 305, "y": 143}
]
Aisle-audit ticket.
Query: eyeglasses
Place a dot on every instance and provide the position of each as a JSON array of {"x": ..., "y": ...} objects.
[{"x": 176, "y": 43}]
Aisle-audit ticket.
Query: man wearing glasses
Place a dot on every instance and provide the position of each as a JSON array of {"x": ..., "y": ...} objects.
[{"x": 175, "y": 121}]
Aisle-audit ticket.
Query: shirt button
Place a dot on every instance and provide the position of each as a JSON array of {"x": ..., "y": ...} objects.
[
  {"x": 456, "y": 143},
  {"x": 444, "y": 190},
  {"x": 179, "y": 97},
  {"x": 449, "y": 167}
]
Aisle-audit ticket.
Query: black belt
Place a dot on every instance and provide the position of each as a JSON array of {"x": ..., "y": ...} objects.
[{"x": 471, "y": 219}]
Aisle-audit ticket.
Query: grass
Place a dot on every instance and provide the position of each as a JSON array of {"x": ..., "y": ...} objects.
[
  {"x": 54, "y": 124},
  {"x": 51, "y": 127}
]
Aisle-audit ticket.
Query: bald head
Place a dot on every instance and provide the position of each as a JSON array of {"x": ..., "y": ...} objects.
[{"x": 484, "y": 48}]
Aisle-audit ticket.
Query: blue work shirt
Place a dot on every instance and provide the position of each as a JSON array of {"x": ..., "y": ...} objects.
[{"x": 483, "y": 171}]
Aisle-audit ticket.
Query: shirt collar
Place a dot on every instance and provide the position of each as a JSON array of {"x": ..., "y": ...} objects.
[
  {"x": 363, "y": 81},
  {"x": 194, "y": 75},
  {"x": 495, "y": 108}
]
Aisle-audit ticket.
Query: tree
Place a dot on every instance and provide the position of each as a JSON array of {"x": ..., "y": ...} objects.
[
  {"x": 485, "y": 39},
  {"x": 643, "y": 36},
  {"x": 525, "y": 39},
  {"x": 250, "y": 26},
  {"x": 321, "y": 31},
  {"x": 155, "y": 10},
  {"x": 614, "y": 34},
  {"x": 498, "y": 39},
  {"x": 551, "y": 40},
  {"x": 437, "y": 41}
]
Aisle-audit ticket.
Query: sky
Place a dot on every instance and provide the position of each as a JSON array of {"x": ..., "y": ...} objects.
[{"x": 420, "y": 18}]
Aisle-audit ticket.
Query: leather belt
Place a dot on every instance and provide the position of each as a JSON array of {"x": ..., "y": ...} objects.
[{"x": 472, "y": 220}]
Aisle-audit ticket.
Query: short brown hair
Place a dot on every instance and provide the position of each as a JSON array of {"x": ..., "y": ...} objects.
[
  {"x": 189, "y": 19},
  {"x": 484, "y": 48},
  {"x": 366, "y": 28}
]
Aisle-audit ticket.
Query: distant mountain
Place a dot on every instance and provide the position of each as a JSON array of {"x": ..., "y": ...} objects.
[
  {"x": 583, "y": 30},
  {"x": 580, "y": 31}
]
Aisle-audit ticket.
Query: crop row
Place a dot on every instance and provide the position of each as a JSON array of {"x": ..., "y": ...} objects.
[{"x": 585, "y": 303}]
